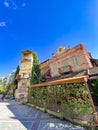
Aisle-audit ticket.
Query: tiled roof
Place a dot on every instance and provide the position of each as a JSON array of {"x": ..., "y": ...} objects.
[
  {"x": 73, "y": 74},
  {"x": 93, "y": 71},
  {"x": 90, "y": 72},
  {"x": 94, "y": 62}
]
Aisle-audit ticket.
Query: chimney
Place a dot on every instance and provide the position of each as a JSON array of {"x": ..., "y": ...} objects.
[
  {"x": 53, "y": 55},
  {"x": 69, "y": 47}
]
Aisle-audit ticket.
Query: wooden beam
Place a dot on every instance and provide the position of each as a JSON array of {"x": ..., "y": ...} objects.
[{"x": 62, "y": 81}]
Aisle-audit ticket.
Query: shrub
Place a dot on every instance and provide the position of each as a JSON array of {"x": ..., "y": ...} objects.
[{"x": 1, "y": 89}]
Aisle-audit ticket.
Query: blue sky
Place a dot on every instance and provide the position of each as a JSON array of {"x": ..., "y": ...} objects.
[{"x": 43, "y": 25}]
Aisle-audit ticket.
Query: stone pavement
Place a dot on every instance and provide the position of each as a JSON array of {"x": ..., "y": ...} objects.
[{"x": 15, "y": 116}]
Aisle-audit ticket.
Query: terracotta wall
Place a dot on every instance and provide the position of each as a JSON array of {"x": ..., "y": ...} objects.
[
  {"x": 77, "y": 57},
  {"x": 44, "y": 66}
]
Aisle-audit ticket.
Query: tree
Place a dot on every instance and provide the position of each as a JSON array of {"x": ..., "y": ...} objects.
[
  {"x": 17, "y": 71},
  {"x": 8, "y": 90},
  {"x": 15, "y": 80},
  {"x": 0, "y": 80},
  {"x": 36, "y": 75},
  {"x": 11, "y": 87},
  {"x": 1, "y": 89}
]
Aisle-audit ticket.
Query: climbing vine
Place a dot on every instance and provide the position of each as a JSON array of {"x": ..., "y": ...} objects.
[{"x": 69, "y": 99}]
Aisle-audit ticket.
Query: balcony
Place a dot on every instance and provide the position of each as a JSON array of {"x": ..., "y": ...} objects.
[{"x": 65, "y": 69}]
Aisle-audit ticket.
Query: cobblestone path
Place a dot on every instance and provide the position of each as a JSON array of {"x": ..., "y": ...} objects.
[{"x": 15, "y": 116}]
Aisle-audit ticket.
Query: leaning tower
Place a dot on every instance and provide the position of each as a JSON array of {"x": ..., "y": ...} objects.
[{"x": 24, "y": 75}]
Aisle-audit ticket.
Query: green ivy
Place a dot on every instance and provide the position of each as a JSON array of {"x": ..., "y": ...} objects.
[{"x": 70, "y": 98}]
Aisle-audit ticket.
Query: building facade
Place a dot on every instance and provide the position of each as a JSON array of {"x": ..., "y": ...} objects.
[
  {"x": 45, "y": 70},
  {"x": 24, "y": 75},
  {"x": 69, "y": 60},
  {"x": 7, "y": 79}
]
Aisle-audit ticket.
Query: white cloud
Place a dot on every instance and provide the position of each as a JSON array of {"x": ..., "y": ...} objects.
[
  {"x": 2, "y": 24},
  {"x": 6, "y": 3},
  {"x": 12, "y": 4}
]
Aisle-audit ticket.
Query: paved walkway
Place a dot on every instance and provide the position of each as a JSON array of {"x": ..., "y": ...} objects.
[{"x": 15, "y": 116}]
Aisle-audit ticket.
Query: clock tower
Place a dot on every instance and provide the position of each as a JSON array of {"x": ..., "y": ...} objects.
[{"x": 24, "y": 74}]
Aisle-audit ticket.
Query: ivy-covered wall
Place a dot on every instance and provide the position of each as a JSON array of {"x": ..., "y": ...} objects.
[
  {"x": 70, "y": 100},
  {"x": 94, "y": 90}
]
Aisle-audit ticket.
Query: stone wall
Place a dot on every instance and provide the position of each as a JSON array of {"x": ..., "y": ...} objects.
[{"x": 25, "y": 73}]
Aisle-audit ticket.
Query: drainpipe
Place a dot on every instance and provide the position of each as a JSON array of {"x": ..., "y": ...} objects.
[{"x": 94, "y": 110}]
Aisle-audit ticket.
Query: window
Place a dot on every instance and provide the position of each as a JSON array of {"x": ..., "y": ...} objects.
[
  {"x": 75, "y": 62},
  {"x": 64, "y": 63},
  {"x": 55, "y": 69}
]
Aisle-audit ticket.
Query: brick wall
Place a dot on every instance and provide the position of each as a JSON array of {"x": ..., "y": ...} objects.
[
  {"x": 44, "y": 66},
  {"x": 77, "y": 57}
]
